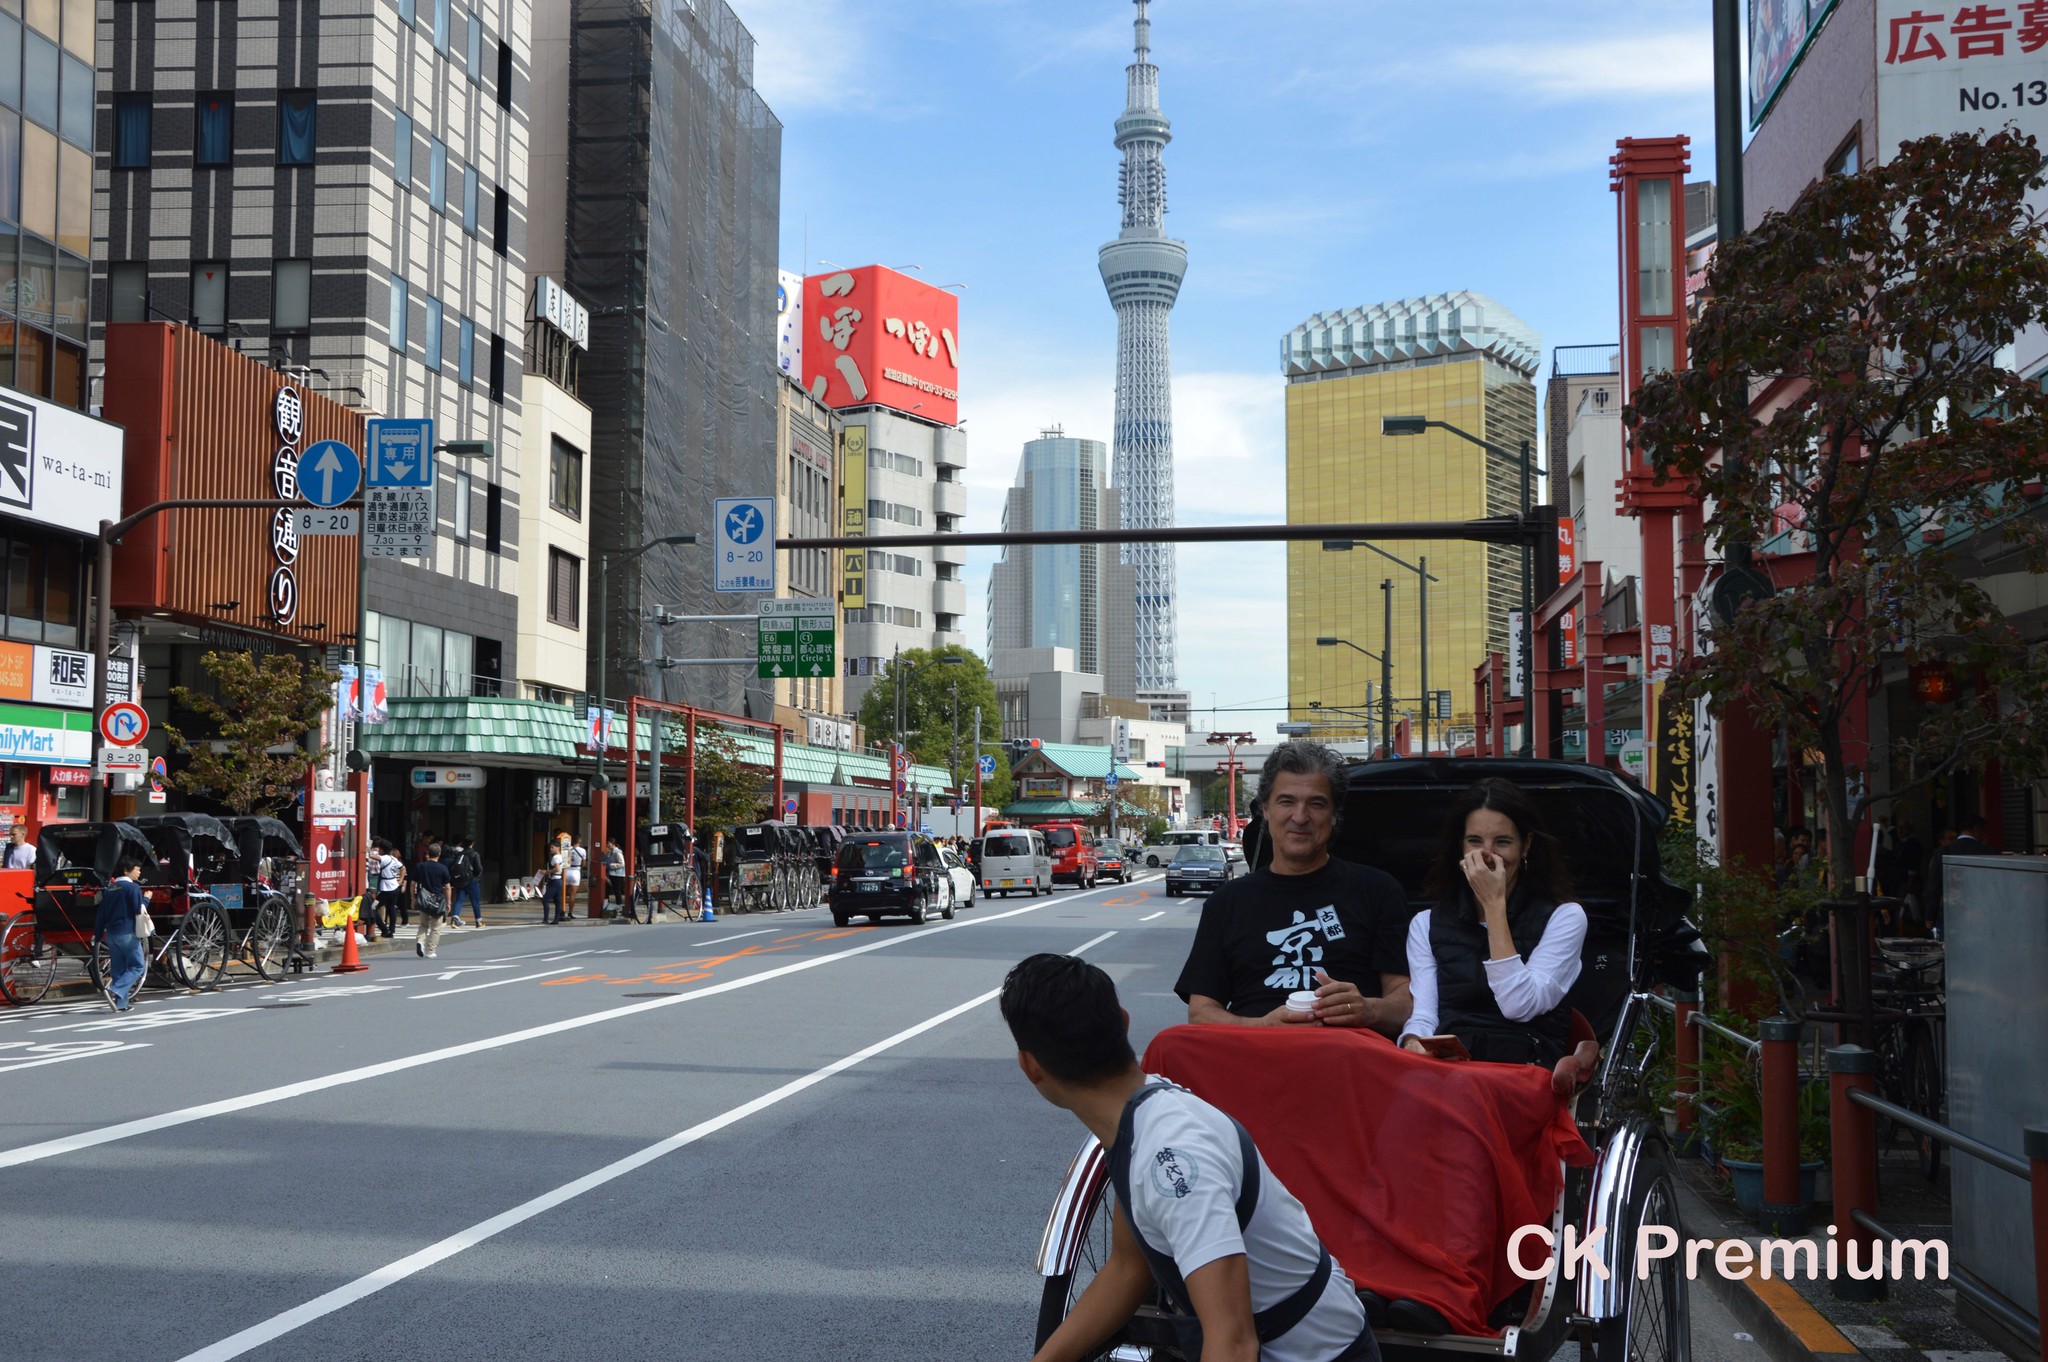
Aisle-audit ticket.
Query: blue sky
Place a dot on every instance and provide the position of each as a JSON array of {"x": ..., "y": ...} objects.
[{"x": 1324, "y": 155}]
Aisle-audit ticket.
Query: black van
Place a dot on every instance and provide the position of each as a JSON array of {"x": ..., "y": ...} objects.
[{"x": 888, "y": 872}]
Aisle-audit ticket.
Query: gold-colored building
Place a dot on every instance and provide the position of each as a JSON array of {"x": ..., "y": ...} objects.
[
  {"x": 809, "y": 436},
  {"x": 1459, "y": 358}
]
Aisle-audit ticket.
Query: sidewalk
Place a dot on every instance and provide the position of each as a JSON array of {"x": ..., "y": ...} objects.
[{"x": 1802, "y": 1320}]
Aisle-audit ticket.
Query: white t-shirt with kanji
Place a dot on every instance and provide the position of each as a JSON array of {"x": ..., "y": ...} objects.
[{"x": 1186, "y": 1169}]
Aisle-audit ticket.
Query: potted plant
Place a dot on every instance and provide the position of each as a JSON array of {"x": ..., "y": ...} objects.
[{"x": 1735, "y": 1127}]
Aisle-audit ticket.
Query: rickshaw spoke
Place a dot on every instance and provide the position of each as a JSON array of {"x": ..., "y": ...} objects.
[
  {"x": 199, "y": 952},
  {"x": 269, "y": 945},
  {"x": 27, "y": 963}
]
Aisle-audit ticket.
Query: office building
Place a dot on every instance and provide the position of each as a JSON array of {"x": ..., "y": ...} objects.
[
  {"x": 1076, "y": 596},
  {"x": 807, "y": 505},
  {"x": 1143, "y": 269},
  {"x": 1460, "y": 358},
  {"x": 671, "y": 208},
  {"x": 882, "y": 350}
]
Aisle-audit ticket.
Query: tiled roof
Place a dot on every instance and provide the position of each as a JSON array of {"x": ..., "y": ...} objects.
[{"x": 1083, "y": 761}]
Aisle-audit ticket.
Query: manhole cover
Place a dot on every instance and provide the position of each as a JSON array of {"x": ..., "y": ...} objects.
[
  {"x": 650, "y": 995},
  {"x": 273, "y": 1007}
]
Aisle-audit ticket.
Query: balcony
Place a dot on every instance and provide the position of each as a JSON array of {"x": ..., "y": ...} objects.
[
  {"x": 949, "y": 598},
  {"x": 949, "y": 498}
]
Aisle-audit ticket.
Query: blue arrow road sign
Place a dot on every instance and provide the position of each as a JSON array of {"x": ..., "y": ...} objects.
[
  {"x": 1111, "y": 782},
  {"x": 402, "y": 453},
  {"x": 988, "y": 767},
  {"x": 329, "y": 473},
  {"x": 743, "y": 544}
]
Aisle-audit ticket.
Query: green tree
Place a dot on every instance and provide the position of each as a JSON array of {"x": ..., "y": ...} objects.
[
  {"x": 1845, "y": 409},
  {"x": 928, "y": 714},
  {"x": 728, "y": 790},
  {"x": 254, "y": 738}
]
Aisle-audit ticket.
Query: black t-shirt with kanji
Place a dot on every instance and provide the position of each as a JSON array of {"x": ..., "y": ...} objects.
[{"x": 1265, "y": 936}]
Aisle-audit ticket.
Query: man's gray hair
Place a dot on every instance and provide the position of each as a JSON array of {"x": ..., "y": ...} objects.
[{"x": 1302, "y": 757}]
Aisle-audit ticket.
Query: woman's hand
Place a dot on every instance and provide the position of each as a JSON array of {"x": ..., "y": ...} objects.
[
  {"x": 1488, "y": 876},
  {"x": 1414, "y": 1045}
]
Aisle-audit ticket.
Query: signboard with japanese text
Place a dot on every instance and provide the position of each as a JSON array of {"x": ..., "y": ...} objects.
[
  {"x": 877, "y": 337},
  {"x": 1778, "y": 33},
  {"x": 743, "y": 544},
  {"x": 401, "y": 453},
  {"x": 398, "y": 522},
  {"x": 57, "y": 466},
  {"x": 853, "y": 519},
  {"x": 795, "y": 638},
  {"x": 1945, "y": 69},
  {"x": 1672, "y": 759},
  {"x": 1515, "y": 657},
  {"x": 1567, "y": 568},
  {"x": 789, "y": 324}
]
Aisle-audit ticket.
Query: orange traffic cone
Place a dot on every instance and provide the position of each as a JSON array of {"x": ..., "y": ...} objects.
[{"x": 349, "y": 963}]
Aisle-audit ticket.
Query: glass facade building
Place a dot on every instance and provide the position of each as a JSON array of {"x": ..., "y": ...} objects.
[
  {"x": 1460, "y": 358},
  {"x": 47, "y": 85}
]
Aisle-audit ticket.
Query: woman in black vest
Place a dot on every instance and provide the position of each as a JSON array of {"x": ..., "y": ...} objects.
[{"x": 1491, "y": 962}]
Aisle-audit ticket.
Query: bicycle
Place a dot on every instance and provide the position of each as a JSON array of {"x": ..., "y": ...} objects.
[{"x": 1912, "y": 1040}]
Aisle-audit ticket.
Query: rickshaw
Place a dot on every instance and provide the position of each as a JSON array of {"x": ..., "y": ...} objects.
[
  {"x": 197, "y": 874},
  {"x": 665, "y": 870},
  {"x": 268, "y": 856},
  {"x": 74, "y": 864},
  {"x": 765, "y": 869},
  {"x": 1391, "y": 815}
]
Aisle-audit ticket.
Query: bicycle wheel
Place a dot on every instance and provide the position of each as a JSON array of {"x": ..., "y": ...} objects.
[
  {"x": 101, "y": 972},
  {"x": 1656, "y": 1323},
  {"x": 27, "y": 963},
  {"x": 1924, "y": 1094},
  {"x": 199, "y": 946},
  {"x": 269, "y": 947}
]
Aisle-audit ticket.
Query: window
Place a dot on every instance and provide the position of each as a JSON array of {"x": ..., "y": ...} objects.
[
  {"x": 43, "y": 591},
  {"x": 291, "y": 295},
  {"x": 401, "y": 152},
  {"x": 475, "y": 55},
  {"x": 504, "y": 75},
  {"x": 494, "y": 518},
  {"x": 295, "y": 118},
  {"x": 565, "y": 578},
  {"x": 437, "y": 173},
  {"x": 10, "y": 62},
  {"x": 214, "y": 141},
  {"x": 76, "y": 114},
  {"x": 565, "y": 478},
  {"x": 469, "y": 199},
  {"x": 38, "y": 180},
  {"x": 10, "y": 167},
  {"x": 501, "y": 221},
  {"x": 128, "y": 292},
  {"x": 210, "y": 296},
  {"x": 131, "y": 132},
  {"x": 1653, "y": 248},
  {"x": 441, "y": 19},
  {"x": 397, "y": 321},
  {"x": 465, "y": 351},
  {"x": 497, "y": 368},
  {"x": 407, "y": 13},
  {"x": 1849, "y": 159},
  {"x": 39, "y": 80},
  {"x": 460, "y": 499},
  {"x": 433, "y": 336}
]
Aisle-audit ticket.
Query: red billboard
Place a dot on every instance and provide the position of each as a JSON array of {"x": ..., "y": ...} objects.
[{"x": 883, "y": 339}]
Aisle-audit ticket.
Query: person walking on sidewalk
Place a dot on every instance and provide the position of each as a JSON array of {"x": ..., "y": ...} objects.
[
  {"x": 115, "y": 925},
  {"x": 430, "y": 879},
  {"x": 615, "y": 872},
  {"x": 390, "y": 874},
  {"x": 573, "y": 857},
  {"x": 466, "y": 877},
  {"x": 550, "y": 877}
]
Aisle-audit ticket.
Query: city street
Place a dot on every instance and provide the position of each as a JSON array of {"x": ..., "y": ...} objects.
[{"x": 757, "y": 1138}]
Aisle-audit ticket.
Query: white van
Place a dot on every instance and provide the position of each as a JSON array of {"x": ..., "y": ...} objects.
[
  {"x": 1013, "y": 861},
  {"x": 1156, "y": 854}
]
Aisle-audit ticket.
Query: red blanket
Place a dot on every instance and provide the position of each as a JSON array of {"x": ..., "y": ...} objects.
[{"x": 1414, "y": 1170}]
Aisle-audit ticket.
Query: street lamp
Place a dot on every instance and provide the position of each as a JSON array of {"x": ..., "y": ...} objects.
[
  {"x": 1385, "y": 658},
  {"x": 1524, "y": 461},
  {"x": 1424, "y": 578},
  {"x": 1231, "y": 767}
]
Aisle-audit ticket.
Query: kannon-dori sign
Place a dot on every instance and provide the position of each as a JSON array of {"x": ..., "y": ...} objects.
[{"x": 879, "y": 337}]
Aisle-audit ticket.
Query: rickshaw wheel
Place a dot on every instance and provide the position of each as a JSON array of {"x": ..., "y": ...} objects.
[
  {"x": 27, "y": 966},
  {"x": 200, "y": 954},
  {"x": 1061, "y": 1291},
  {"x": 270, "y": 940},
  {"x": 1656, "y": 1326},
  {"x": 101, "y": 972}
]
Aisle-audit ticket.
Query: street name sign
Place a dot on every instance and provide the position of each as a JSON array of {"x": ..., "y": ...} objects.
[
  {"x": 743, "y": 544},
  {"x": 795, "y": 638},
  {"x": 327, "y": 522},
  {"x": 329, "y": 473}
]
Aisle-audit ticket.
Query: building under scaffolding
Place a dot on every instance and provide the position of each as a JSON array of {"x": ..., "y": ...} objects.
[{"x": 674, "y": 171}]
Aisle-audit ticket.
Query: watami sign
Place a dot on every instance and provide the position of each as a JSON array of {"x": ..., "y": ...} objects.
[{"x": 882, "y": 338}]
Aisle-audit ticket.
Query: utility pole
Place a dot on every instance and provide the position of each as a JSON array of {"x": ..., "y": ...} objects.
[
  {"x": 977, "y": 772},
  {"x": 1387, "y": 668},
  {"x": 953, "y": 755}
]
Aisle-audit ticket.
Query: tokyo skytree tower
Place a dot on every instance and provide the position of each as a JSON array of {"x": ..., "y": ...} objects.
[{"x": 1142, "y": 270}]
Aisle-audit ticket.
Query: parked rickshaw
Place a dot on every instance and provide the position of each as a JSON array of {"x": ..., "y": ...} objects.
[
  {"x": 268, "y": 860},
  {"x": 198, "y": 868},
  {"x": 1391, "y": 816},
  {"x": 665, "y": 870},
  {"x": 74, "y": 864}
]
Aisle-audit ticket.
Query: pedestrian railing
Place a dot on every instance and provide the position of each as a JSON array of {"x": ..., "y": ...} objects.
[{"x": 1852, "y": 1074}]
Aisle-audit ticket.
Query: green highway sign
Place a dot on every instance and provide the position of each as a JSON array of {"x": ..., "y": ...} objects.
[{"x": 796, "y": 638}]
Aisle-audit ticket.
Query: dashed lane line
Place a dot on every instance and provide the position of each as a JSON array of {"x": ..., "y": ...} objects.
[{"x": 497, "y": 983}]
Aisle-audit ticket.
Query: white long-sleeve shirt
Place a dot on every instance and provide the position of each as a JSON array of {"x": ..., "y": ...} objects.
[{"x": 1523, "y": 989}]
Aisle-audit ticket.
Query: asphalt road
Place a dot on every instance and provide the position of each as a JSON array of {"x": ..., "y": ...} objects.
[{"x": 759, "y": 1138}]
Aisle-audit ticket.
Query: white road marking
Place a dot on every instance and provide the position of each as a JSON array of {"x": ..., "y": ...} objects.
[
  {"x": 741, "y": 937},
  {"x": 1149, "y": 917},
  {"x": 22, "y": 1054},
  {"x": 496, "y": 983},
  {"x": 530, "y": 955},
  {"x": 1096, "y": 942},
  {"x": 452, "y": 972},
  {"x": 277, "y": 1326},
  {"x": 71, "y": 1144}
]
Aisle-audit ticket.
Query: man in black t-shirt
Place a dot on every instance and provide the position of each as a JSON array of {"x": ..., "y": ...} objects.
[{"x": 1305, "y": 922}]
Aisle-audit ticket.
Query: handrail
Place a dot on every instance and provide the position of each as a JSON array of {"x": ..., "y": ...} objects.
[
  {"x": 1954, "y": 1139},
  {"x": 1701, "y": 1019},
  {"x": 1962, "y": 1282}
]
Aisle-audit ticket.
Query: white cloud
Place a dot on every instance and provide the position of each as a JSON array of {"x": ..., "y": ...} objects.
[
  {"x": 1678, "y": 61},
  {"x": 810, "y": 55}
]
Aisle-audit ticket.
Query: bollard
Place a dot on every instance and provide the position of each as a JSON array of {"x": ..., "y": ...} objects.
[
  {"x": 1854, "y": 1154},
  {"x": 2036, "y": 1150},
  {"x": 1783, "y": 1211},
  {"x": 1685, "y": 1086}
]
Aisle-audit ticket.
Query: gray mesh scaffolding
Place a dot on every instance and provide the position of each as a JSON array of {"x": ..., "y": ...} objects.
[{"x": 675, "y": 169}]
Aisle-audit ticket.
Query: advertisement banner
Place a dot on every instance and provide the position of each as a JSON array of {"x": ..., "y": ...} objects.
[
  {"x": 879, "y": 337},
  {"x": 46, "y": 737},
  {"x": 853, "y": 519},
  {"x": 1942, "y": 70},
  {"x": 345, "y": 694},
  {"x": 376, "y": 705},
  {"x": 57, "y": 466},
  {"x": 1778, "y": 33},
  {"x": 789, "y": 324},
  {"x": 1672, "y": 758}
]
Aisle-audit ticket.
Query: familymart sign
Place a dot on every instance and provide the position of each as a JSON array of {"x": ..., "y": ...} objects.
[{"x": 46, "y": 737}]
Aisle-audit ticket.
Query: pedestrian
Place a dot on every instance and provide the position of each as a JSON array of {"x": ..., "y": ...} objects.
[
  {"x": 118, "y": 923},
  {"x": 466, "y": 872},
  {"x": 550, "y": 877},
  {"x": 20, "y": 855},
  {"x": 615, "y": 871},
  {"x": 390, "y": 872},
  {"x": 702, "y": 858},
  {"x": 430, "y": 880},
  {"x": 573, "y": 858}
]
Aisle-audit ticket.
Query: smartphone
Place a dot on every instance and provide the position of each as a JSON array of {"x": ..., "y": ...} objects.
[{"x": 1444, "y": 1047}]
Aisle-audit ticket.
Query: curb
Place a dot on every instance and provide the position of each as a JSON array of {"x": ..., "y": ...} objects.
[{"x": 1781, "y": 1320}]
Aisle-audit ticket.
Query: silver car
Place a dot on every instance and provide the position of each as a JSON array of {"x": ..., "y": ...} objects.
[{"x": 1200, "y": 869}]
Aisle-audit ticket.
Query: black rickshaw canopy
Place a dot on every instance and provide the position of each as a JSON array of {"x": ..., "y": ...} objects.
[
  {"x": 194, "y": 841},
  {"x": 259, "y": 838},
  {"x": 65, "y": 851}
]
